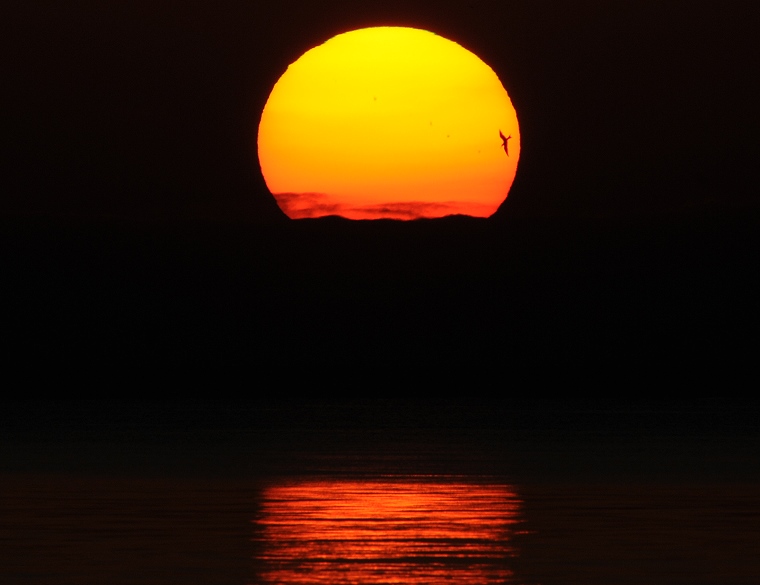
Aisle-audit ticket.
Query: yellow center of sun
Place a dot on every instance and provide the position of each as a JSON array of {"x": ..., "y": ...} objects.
[{"x": 388, "y": 122}]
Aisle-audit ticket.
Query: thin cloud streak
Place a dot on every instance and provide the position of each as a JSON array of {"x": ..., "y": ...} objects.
[{"x": 311, "y": 205}]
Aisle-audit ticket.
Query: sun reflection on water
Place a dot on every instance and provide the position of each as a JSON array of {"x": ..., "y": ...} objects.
[{"x": 411, "y": 531}]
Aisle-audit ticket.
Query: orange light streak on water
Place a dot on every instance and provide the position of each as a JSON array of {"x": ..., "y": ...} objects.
[{"x": 413, "y": 531}]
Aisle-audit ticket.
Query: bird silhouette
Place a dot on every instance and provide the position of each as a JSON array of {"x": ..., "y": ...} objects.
[{"x": 504, "y": 140}]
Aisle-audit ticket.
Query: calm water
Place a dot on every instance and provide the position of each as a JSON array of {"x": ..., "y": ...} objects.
[
  {"x": 412, "y": 530},
  {"x": 331, "y": 529}
]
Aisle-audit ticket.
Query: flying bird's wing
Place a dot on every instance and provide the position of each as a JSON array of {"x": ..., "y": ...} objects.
[{"x": 504, "y": 140}]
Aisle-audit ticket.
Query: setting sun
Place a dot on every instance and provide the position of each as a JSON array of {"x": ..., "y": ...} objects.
[{"x": 388, "y": 122}]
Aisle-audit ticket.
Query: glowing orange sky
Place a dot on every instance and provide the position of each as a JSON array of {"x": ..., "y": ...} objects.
[
  {"x": 389, "y": 531},
  {"x": 388, "y": 122}
]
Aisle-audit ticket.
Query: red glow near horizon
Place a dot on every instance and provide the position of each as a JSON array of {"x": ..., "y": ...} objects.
[{"x": 388, "y": 531}]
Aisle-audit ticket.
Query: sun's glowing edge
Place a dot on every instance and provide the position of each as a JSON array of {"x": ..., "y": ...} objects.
[{"x": 457, "y": 144}]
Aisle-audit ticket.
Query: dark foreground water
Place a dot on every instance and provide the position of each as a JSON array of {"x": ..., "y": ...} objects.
[
  {"x": 337, "y": 529},
  {"x": 629, "y": 501}
]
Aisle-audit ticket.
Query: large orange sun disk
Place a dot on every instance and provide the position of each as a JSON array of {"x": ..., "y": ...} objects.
[{"x": 388, "y": 122}]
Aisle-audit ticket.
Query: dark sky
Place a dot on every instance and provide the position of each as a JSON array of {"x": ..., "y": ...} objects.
[
  {"x": 136, "y": 226},
  {"x": 152, "y": 107}
]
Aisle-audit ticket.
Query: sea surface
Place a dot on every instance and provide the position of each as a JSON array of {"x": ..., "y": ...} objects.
[{"x": 377, "y": 508}]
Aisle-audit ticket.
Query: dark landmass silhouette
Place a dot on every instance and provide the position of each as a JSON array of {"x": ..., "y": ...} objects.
[{"x": 396, "y": 296}]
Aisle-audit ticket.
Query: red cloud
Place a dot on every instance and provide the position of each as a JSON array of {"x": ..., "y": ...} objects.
[{"x": 307, "y": 205}]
